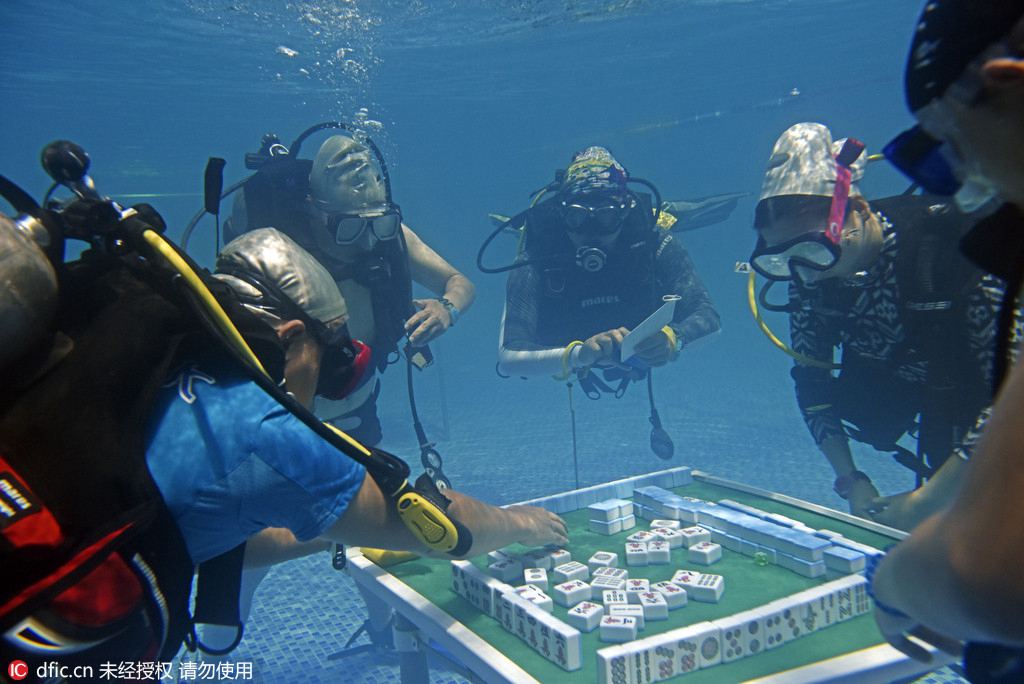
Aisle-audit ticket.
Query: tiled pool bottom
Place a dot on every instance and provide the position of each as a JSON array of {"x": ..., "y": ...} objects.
[{"x": 304, "y": 612}]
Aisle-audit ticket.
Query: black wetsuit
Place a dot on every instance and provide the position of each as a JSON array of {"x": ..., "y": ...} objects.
[{"x": 552, "y": 303}]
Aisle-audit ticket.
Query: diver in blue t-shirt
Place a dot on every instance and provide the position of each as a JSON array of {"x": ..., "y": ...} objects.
[{"x": 230, "y": 462}]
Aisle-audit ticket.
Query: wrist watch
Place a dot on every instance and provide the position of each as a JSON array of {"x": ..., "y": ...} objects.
[
  {"x": 844, "y": 483},
  {"x": 453, "y": 311}
]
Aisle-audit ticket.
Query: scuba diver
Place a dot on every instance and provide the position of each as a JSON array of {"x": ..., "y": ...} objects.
[
  {"x": 883, "y": 281},
  {"x": 957, "y": 578},
  {"x": 183, "y": 429},
  {"x": 339, "y": 208},
  {"x": 595, "y": 262}
]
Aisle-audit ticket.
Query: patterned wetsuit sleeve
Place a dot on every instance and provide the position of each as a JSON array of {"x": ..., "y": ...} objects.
[
  {"x": 982, "y": 321},
  {"x": 695, "y": 315},
  {"x": 810, "y": 335}
]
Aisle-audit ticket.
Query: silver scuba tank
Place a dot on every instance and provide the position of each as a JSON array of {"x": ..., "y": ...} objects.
[{"x": 28, "y": 289}]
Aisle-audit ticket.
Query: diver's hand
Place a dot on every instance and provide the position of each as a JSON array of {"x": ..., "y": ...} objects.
[
  {"x": 656, "y": 350},
  {"x": 900, "y": 510},
  {"x": 428, "y": 323},
  {"x": 602, "y": 346},
  {"x": 539, "y": 527},
  {"x": 862, "y": 497},
  {"x": 897, "y": 627}
]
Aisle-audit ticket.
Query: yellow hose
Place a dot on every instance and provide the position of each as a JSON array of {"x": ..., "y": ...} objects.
[
  {"x": 219, "y": 316},
  {"x": 805, "y": 360},
  {"x": 428, "y": 521}
]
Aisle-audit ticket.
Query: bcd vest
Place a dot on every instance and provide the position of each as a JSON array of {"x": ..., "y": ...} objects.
[
  {"x": 576, "y": 304},
  {"x": 92, "y": 566}
]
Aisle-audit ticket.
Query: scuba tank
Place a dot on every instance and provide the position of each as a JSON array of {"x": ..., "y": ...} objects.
[{"x": 29, "y": 283}]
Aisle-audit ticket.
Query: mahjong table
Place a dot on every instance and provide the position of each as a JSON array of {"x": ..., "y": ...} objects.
[{"x": 774, "y": 621}]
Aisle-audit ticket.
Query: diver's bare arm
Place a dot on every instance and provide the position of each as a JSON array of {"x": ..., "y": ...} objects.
[
  {"x": 277, "y": 545},
  {"x": 371, "y": 521},
  {"x": 432, "y": 271},
  {"x": 959, "y": 571}
]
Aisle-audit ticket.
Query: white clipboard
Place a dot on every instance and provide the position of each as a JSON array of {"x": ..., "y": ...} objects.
[{"x": 650, "y": 325}]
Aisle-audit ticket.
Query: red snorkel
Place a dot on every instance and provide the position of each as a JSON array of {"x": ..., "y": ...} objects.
[{"x": 850, "y": 153}]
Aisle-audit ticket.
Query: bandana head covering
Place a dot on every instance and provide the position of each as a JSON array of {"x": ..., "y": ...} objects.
[
  {"x": 595, "y": 171},
  {"x": 345, "y": 178}
]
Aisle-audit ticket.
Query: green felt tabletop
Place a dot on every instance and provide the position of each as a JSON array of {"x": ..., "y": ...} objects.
[{"x": 747, "y": 586}]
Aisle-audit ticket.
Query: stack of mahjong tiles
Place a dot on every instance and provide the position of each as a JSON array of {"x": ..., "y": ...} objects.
[
  {"x": 706, "y": 644},
  {"x": 521, "y": 612},
  {"x": 611, "y": 516},
  {"x": 744, "y": 529},
  {"x": 654, "y": 546}
]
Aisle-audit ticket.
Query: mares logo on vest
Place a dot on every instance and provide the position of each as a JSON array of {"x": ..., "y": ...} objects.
[
  {"x": 599, "y": 301},
  {"x": 16, "y": 502}
]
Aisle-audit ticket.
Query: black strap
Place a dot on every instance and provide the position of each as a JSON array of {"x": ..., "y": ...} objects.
[
  {"x": 594, "y": 387},
  {"x": 661, "y": 443},
  {"x": 220, "y": 580},
  {"x": 426, "y": 446}
]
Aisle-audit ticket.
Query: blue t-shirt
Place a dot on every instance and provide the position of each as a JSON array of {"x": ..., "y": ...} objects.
[{"x": 231, "y": 461}]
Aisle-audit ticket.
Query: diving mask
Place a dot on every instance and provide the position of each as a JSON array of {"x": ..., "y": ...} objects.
[
  {"x": 925, "y": 154},
  {"x": 938, "y": 168},
  {"x": 349, "y": 229},
  {"x": 812, "y": 250},
  {"x": 343, "y": 363},
  {"x": 595, "y": 220}
]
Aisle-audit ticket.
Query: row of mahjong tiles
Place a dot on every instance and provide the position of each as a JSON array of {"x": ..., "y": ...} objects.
[
  {"x": 667, "y": 654},
  {"x": 750, "y": 584}
]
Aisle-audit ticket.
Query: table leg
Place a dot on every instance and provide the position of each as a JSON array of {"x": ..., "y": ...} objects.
[{"x": 413, "y": 664}]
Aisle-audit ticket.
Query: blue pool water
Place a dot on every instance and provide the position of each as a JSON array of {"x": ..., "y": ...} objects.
[{"x": 478, "y": 103}]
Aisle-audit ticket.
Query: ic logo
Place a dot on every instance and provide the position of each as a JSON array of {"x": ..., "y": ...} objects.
[{"x": 17, "y": 670}]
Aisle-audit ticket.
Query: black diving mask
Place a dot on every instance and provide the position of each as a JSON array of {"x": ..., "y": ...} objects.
[
  {"x": 594, "y": 220},
  {"x": 350, "y": 228}
]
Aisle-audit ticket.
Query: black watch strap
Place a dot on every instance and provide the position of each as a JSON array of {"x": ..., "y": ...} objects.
[{"x": 844, "y": 483}]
